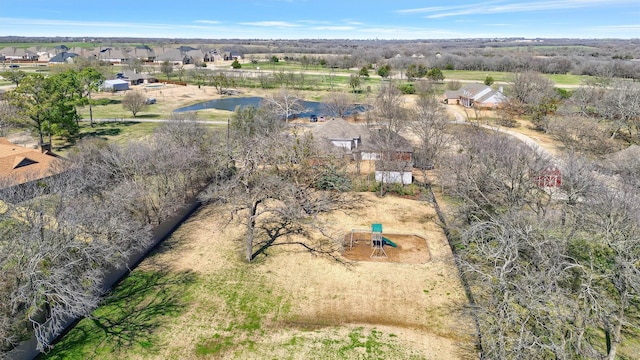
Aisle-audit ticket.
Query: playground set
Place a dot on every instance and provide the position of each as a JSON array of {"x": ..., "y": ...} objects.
[
  {"x": 374, "y": 245},
  {"x": 378, "y": 242}
]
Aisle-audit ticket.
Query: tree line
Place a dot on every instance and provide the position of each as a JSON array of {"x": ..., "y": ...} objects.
[
  {"x": 554, "y": 272},
  {"x": 59, "y": 235}
]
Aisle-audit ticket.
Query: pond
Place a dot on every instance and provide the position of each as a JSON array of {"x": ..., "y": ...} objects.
[{"x": 229, "y": 104}]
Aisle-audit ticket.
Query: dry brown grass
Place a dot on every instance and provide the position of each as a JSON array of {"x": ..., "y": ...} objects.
[{"x": 420, "y": 306}]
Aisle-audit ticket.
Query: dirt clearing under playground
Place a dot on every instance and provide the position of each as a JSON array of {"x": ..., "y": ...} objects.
[{"x": 409, "y": 249}]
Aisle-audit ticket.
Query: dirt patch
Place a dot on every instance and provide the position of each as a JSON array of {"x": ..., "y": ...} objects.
[{"x": 408, "y": 249}]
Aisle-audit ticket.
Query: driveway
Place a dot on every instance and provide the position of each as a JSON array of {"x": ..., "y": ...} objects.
[{"x": 460, "y": 118}]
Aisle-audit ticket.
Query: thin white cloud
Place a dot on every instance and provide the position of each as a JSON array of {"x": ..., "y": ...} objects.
[
  {"x": 315, "y": 22},
  {"x": 409, "y": 33},
  {"x": 497, "y": 7},
  {"x": 280, "y": 24},
  {"x": 631, "y": 27},
  {"x": 89, "y": 24},
  {"x": 212, "y": 22},
  {"x": 432, "y": 9},
  {"x": 333, "y": 28}
]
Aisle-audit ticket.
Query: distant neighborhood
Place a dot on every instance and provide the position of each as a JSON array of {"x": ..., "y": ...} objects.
[{"x": 61, "y": 54}]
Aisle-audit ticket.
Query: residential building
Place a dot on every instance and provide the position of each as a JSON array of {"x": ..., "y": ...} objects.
[
  {"x": 476, "y": 95},
  {"x": 20, "y": 165}
]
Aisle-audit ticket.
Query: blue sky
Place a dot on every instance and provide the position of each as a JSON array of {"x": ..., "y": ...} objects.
[{"x": 330, "y": 19}]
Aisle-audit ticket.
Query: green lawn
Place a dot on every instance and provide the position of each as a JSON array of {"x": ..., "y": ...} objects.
[
  {"x": 292, "y": 66},
  {"x": 559, "y": 79},
  {"x": 476, "y": 75},
  {"x": 567, "y": 79},
  {"x": 128, "y": 319},
  {"x": 117, "y": 131}
]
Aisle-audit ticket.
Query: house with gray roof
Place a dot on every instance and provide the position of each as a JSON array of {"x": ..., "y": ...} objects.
[
  {"x": 113, "y": 55},
  {"x": 14, "y": 53},
  {"x": 171, "y": 55},
  {"x": 63, "y": 58},
  {"x": 476, "y": 95},
  {"x": 339, "y": 133},
  {"x": 136, "y": 78},
  {"x": 213, "y": 55},
  {"x": 233, "y": 55},
  {"x": 393, "y": 159},
  {"x": 143, "y": 53}
]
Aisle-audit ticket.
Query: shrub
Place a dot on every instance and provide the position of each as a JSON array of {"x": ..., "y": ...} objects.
[
  {"x": 405, "y": 190},
  {"x": 366, "y": 185},
  {"x": 333, "y": 179},
  {"x": 489, "y": 80},
  {"x": 407, "y": 88}
]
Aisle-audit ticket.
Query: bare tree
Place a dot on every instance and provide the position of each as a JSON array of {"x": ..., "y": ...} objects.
[
  {"x": 429, "y": 124},
  {"x": 220, "y": 81},
  {"x": 167, "y": 68},
  {"x": 272, "y": 188},
  {"x": 8, "y": 116},
  {"x": 515, "y": 266},
  {"x": 283, "y": 104},
  {"x": 580, "y": 134},
  {"x": 134, "y": 101},
  {"x": 58, "y": 248},
  {"x": 533, "y": 94},
  {"x": 388, "y": 109},
  {"x": 610, "y": 282},
  {"x": 493, "y": 173},
  {"x": 338, "y": 104},
  {"x": 621, "y": 106},
  {"x": 388, "y": 120}
]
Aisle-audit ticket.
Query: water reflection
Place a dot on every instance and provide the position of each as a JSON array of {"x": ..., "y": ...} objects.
[{"x": 230, "y": 103}]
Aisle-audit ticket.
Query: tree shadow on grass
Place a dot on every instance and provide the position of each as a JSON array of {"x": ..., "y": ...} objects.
[
  {"x": 147, "y": 116},
  {"x": 100, "y": 130},
  {"x": 128, "y": 318}
]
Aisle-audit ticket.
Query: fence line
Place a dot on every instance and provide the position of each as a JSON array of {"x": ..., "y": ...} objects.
[{"x": 27, "y": 349}]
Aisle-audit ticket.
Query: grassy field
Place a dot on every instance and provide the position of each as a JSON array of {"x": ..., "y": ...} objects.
[
  {"x": 195, "y": 298},
  {"x": 567, "y": 79},
  {"x": 292, "y": 66},
  {"x": 559, "y": 79}
]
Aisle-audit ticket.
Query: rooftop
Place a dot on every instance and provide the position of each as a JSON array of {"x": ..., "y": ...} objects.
[{"x": 19, "y": 165}]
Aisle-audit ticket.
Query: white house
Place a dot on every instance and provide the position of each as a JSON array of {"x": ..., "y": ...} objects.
[{"x": 394, "y": 172}]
